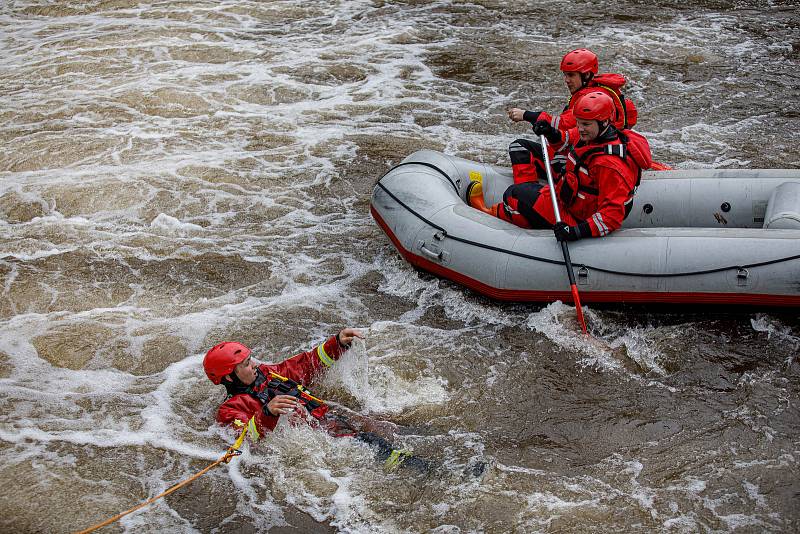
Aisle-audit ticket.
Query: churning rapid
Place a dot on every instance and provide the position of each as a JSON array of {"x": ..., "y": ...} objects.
[{"x": 175, "y": 174}]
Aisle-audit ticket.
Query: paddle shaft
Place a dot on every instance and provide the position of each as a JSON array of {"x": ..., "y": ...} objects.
[{"x": 564, "y": 248}]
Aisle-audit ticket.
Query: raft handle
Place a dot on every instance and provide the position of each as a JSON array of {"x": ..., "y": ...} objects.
[
  {"x": 583, "y": 276},
  {"x": 742, "y": 275},
  {"x": 438, "y": 256}
]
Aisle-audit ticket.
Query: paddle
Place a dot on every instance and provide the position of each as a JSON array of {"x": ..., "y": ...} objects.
[{"x": 564, "y": 248}]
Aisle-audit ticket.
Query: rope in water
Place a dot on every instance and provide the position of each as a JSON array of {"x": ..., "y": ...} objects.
[{"x": 232, "y": 451}]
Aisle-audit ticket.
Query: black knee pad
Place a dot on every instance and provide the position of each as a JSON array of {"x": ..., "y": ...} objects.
[
  {"x": 524, "y": 151},
  {"x": 527, "y": 194}
]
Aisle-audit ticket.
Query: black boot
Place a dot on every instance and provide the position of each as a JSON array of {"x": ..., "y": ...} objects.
[{"x": 394, "y": 458}]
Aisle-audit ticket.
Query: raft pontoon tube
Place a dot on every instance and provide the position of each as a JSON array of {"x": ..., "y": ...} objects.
[{"x": 710, "y": 236}]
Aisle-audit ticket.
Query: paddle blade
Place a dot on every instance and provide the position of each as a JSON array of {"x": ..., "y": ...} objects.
[{"x": 578, "y": 309}]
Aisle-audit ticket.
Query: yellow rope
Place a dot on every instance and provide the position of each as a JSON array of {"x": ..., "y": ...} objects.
[{"x": 225, "y": 458}]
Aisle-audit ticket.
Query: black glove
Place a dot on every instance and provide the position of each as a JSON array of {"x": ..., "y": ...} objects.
[
  {"x": 550, "y": 133},
  {"x": 564, "y": 232},
  {"x": 558, "y": 164}
]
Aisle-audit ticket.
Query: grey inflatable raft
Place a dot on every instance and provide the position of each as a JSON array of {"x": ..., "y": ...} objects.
[{"x": 711, "y": 236}]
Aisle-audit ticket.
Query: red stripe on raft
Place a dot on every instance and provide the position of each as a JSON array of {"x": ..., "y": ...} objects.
[{"x": 522, "y": 295}]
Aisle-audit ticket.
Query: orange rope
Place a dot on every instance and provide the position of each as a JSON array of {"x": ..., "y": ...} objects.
[{"x": 225, "y": 458}]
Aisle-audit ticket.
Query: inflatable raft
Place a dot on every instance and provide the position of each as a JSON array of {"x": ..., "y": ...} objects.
[{"x": 711, "y": 236}]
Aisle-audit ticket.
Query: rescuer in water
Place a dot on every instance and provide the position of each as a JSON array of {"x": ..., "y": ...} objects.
[{"x": 258, "y": 394}]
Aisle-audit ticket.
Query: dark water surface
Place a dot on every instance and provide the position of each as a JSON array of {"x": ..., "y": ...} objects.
[{"x": 173, "y": 174}]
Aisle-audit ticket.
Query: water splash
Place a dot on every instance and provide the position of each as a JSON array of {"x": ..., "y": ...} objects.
[
  {"x": 610, "y": 348},
  {"x": 377, "y": 387},
  {"x": 779, "y": 334}
]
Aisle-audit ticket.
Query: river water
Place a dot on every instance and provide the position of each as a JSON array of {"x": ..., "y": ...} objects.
[{"x": 173, "y": 174}]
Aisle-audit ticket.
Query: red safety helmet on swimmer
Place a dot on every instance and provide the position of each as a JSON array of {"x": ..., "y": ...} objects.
[
  {"x": 594, "y": 106},
  {"x": 223, "y": 358},
  {"x": 581, "y": 60}
]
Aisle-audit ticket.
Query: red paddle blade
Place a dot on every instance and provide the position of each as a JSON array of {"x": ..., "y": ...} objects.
[
  {"x": 656, "y": 166},
  {"x": 576, "y": 299}
]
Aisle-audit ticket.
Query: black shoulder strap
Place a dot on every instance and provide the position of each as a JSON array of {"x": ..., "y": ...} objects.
[
  {"x": 255, "y": 389},
  {"x": 613, "y": 150},
  {"x": 624, "y": 110},
  {"x": 616, "y": 150},
  {"x": 620, "y": 150}
]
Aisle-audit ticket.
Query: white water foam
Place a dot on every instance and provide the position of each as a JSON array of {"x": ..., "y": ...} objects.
[
  {"x": 377, "y": 388},
  {"x": 171, "y": 225},
  {"x": 140, "y": 135},
  {"x": 778, "y": 333},
  {"x": 609, "y": 346}
]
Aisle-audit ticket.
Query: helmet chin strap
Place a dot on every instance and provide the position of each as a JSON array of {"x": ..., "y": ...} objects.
[
  {"x": 586, "y": 77},
  {"x": 605, "y": 130},
  {"x": 235, "y": 385}
]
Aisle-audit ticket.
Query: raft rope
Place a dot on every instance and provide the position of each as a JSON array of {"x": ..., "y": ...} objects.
[
  {"x": 424, "y": 164},
  {"x": 232, "y": 451},
  {"x": 551, "y": 261}
]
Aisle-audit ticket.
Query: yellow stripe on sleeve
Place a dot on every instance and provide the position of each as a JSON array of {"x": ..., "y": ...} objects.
[{"x": 323, "y": 356}]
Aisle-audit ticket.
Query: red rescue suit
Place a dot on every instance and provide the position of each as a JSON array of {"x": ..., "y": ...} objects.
[
  {"x": 626, "y": 115},
  {"x": 527, "y": 163},
  {"x": 244, "y": 403},
  {"x": 597, "y": 187},
  {"x": 302, "y": 368}
]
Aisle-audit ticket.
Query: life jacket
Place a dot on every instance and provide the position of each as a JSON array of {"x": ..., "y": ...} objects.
[
  {"x": 265, "y": 390},
  {"x": 626, "y": 115},
  {"x": 626, "y": 152}
]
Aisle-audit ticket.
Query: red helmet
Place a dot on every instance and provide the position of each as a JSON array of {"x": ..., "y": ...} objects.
[
  {"x": 581, "y": 60},
  {"x": 594, "y": 106},
  {"x": 222, "y": 358}
]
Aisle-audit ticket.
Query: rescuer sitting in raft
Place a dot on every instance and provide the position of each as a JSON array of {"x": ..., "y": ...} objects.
[
  {"x": 580, "y": 68},
  {"x": 595, "y": 191},
  {"x": 258, "y": 394}
]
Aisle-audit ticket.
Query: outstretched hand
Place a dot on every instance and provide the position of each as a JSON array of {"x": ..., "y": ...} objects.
[
  {"x": 516, "y": 114},
  {"x": 347, "y": 335}
]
